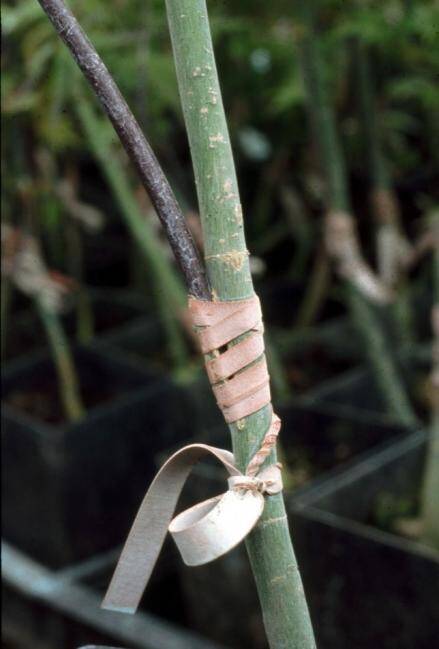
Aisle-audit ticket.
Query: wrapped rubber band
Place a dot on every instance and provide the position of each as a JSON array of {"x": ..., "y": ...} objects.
[
  {"x": 238, "y": 374},
  {"x": 208, "y": 530}
]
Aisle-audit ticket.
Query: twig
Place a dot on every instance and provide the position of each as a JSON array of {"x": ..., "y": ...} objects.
[{"x": 134, "y": 142}]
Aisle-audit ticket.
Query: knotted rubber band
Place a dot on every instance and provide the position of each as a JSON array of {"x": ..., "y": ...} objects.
[
  {"x": 206, "y": 531},
  {"x": 202, "y": 533}
]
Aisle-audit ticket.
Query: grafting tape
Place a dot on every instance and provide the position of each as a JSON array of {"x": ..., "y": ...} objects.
[
  {"x": 238, "y": 373},
  {"x": 232, "y": 333}
]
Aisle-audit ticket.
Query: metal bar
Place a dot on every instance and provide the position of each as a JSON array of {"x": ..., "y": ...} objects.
[{"x": 80, "y": 603}]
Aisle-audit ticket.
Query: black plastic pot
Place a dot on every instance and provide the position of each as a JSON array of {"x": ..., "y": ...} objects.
[
  {"x": 143, "y": 340},
  {"x": 336, "y": 337},
  {"x": 60, "y": 609},
  {"x": 357, "y": 394},
  {"x": 70, "y": 490},
  {"x": 280, "y": 298},
  {"x": 367, "y": 587},
  {"x": 140, "y": 341},
  {"x": 308, "y": 356},
  {"x": 107, "y": 264},
  {"x": 221, "y": 596},
  {"x": 112, "y": 309}
]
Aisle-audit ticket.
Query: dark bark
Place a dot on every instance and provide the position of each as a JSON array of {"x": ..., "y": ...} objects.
[{"x": 134, "y": 142}]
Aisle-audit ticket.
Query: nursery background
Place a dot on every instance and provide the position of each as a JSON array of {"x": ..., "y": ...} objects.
[{"x": 332, "y": 109}]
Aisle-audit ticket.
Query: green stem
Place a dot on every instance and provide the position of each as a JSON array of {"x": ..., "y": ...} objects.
[
  {"x": 75, "y": 265},
  {"x": 386, "y": 372},
  {"x": 279, "y": 380},
  {"x": 333, "y": 167},
  {"x": 64, "y": 363},
  {"x": 383, "y": 199},
  {"x": 301, "y": 229},
  {"x": 85, "y": 323},
  {"x": 170, "y": 293},
  {"x": 269, "y": 546},
  {"x": 402, "y": 313},
  {"x": 320, "y": 110},
  {"x": 316, "y": 291},
  {"x": 369, "y": 122},
  {"x": 5, "y": 304},
  {"x": 430, "y": 490}
]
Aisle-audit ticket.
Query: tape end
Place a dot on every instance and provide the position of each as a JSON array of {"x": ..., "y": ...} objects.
[{"x": 118, "y": 609}]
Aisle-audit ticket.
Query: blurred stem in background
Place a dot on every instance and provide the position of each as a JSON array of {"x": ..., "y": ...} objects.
[
  {"x": 316, "y": 290},
  {"x": 5, "y": 308},
  {"x": 392, "y": 246},
  {"x": 64, "y": 216},
  {"x": 430, "y": 492},
  {"x": 304, "y": 234},
  {"x": 167, "y": 287},
  {"x": 135, "y": 144},
  {"x": 279, "y": 380},
  {"x": 270, "y": 549},
  {"x": 364, "y": 314},
  {"x": 24, "y": 268},
  {"x": 301, "y": 228},
  {"x": 65, "y": 366},
  {"x": 75, "y": 263}
]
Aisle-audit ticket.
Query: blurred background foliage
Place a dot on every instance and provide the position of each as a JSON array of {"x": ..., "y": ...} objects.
[
  {"x": 47, "y": 158},
  {"x": 68, "y": 184}
]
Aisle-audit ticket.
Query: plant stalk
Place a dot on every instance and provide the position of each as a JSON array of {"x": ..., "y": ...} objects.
[
  {"x": 134, "y": 143},
  {"x": 5, "y": 300},
  {"x": 170, "y": 293},
  {"x": 269, "y": 546},
  {"x": 75, "y": 264},
  {"x": 65, "y": 367},
  {"x": 316, "y": 291},
  {"x": 338, "y": 199},
  {"x": 430, "y": 490},
  {"x": 392, "y": 246}
]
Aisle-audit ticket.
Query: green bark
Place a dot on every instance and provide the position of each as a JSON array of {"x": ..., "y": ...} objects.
[
  {"x": 430, "y": 500},
  {"x": 338, "y": 198},
  {"x": 75, "y": 266},
  {"x": 5, "y": 304},
  {"x": 381, "y": 184},
  {"x": 170, "y": 293},
  {"x": 320, "y": 110},
  {"x": 316, "y": 291},
  {"x": 430, "y": 491},
  {"x": 279, "y": 380},
  {"x": 269, "y": 546},
  {"x": 369, "y": 122},
  {"x": 64, "y": 364}
]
